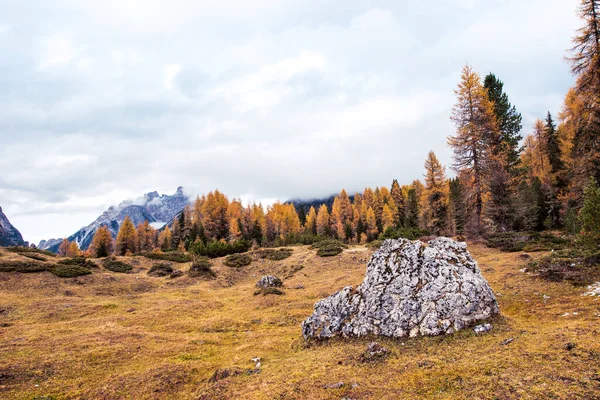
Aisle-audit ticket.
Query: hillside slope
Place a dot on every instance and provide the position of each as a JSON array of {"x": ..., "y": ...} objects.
[{"x": 110, "y": 335}]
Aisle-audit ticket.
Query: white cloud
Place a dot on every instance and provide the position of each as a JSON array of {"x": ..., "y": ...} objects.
[
  {"x": 56, "y": 50},
  {"x": 171, "y": 72},
  {"x": 265, "y": 99}
]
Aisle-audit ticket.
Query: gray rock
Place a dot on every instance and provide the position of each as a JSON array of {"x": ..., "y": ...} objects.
[
  {"x": 410, "y": 289},
  {"x": 483, "y": 328},
  {"x": 336, "y": 385},
  {"x": 374, "y": 352},
  {"x": 269, "y": 281}
]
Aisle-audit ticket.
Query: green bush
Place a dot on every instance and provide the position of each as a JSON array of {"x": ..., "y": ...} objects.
[
  {"x": 238, "y": 260},
  {"x": 22, "y": 266},
  {"x": 69, "y": 271},
  {"x": 329, "y": 251},
  {"x": 22, "y": 249},
  {"x": 112, "y": 264},
  {"x": 328, "y": 248},
  {"x": 160, "y": 270},
  {"x": 215, "y": 248},
  {"x": 328, "y": 243},
  {"x": 275, "y": 255},
  {"x": 80, "y": 261},
  {"x": 173, "y": 256},
  {"x": 201, "y": 267}
]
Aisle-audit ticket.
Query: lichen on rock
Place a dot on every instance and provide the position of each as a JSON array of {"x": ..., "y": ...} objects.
[{"x": 410, "y": 289}]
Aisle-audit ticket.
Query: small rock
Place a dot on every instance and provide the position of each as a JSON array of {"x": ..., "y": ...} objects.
[
  {"x": 570, "y": 346},
  {"x": 334, "y": 385},
  {"x": 483, "y": 328},
  {"x": 269, "y": 281},
  {"x": 507, "y": 341},
  {"x": 525, "y": 256},
  {"x": 131, "y": 310},
  {"x": 374, "y": 352},
  {"x": 221, "y": 374},
  {"x": 255, "y": 359}
]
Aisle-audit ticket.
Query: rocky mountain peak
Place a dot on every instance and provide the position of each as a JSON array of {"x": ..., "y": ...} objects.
[
  {"x": 9, "y": 235},
  {"x": 158, "y": 209}
]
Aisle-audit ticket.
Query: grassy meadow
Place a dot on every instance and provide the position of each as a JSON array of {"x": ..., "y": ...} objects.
[{"x": 111, "y": 335}]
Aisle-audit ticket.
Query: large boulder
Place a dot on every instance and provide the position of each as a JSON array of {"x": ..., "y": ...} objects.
[{"x": 410, "y": 289}]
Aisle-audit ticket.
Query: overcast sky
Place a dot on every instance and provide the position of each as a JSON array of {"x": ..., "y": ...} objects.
[{"x": 101, "y": 101}]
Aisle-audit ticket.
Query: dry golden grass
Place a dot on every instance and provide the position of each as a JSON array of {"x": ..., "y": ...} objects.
[{"x": 130, "y": 336}]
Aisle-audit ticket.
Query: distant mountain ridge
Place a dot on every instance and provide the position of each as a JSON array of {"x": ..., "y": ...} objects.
[
  {"x": 9, "y": 235},
  {"x": 158, "y": 209}
]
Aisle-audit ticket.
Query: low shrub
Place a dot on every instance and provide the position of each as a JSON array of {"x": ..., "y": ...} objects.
[
  {"x": 275, "y": 254},
  {"x": 201, "y": 266},
  {"x": 22, "y": 266},
  {"x": 329, "y": 251},
  {"x": 268, "y": 291},
  {"x": 80, "y": 261},
  {"x": 576, "y": 265},
  {"x": 238, "y": 260},
  {"x": 22, "y": 249},
  {"x": 328, "y": 243},
  {"x": 69, "y": 271},
  {"x": 215, "y": 248},
  {"x": 526, "y": 241},
  {"x": 328, "y": 248},
  {"x": 34, "y": 256},
  {"x": 112, "y": 264},
  {"x": 547, "y": 242},
  {"x": 173, "y": 256},
  {"x": 160, "y": 270}
]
